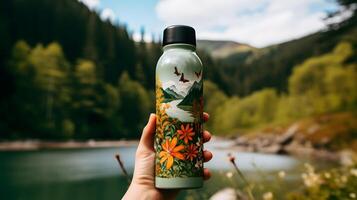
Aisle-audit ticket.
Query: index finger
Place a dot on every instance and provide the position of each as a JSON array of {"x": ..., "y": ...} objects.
[{"x": 205, "y": 116}]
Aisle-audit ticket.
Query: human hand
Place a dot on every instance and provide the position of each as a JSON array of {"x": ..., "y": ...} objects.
[{"x": 143, "y": 184}]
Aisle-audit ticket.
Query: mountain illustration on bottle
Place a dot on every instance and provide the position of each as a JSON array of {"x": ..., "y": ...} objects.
[
  {"x": 195, "y": 92},
  {"x": 171, "y": 94},
  {"x": 177, "y": 91}
]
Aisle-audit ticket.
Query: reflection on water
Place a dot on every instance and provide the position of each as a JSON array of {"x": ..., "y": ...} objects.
[
  {"x": 94, "y": 173},
  {"x": 175, "y": 112},
  {"x": 63, "y": 165}
]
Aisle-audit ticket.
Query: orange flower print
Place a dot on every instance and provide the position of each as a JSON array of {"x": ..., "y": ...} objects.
[
  {"x": 186, "y": 133},
  {"x": 171, "y": 151},
  {"x": 191, "y": 152}
]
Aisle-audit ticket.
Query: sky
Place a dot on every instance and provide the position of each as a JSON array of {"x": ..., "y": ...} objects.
[{"x": 256, "y": 22}]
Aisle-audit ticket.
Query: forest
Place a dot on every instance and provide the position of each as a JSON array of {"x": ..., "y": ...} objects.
[{"x": 67, "y": 74}]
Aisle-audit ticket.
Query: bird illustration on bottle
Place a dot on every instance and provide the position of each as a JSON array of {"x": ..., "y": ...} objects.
[
  {"x": 182, "y": 78},
  {"x": 176, "y": 72}
]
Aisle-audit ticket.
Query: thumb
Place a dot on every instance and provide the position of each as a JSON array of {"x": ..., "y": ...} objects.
[{"x": 147, "y": 137}]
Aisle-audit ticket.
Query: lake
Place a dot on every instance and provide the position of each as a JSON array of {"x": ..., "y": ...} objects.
[{"x": 94, "y": 173}]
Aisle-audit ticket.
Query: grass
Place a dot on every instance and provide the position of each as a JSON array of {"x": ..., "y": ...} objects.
[{"x": 333, "y": 183}]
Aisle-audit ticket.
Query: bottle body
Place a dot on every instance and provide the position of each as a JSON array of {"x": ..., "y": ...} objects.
[{"x": 179, "y": 110}]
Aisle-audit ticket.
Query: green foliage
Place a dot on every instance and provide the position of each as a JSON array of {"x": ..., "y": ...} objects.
[
  {"x": 135, "y": 105},
  {"x": 213, "y": 99},
  {"x": 242, "y": 73},
  {"x": 42, "y": 71},
  {"x": 68, "y": 128},
  {"x": 69, "y": 89},
  {"x": 94, "y": 104},
  {"x": 311, "y": 74},
  {"x": 75, "y": 102},
  {"x": 322, "y": 84},
  {"x": 55, "y": 100},
  {"x": 258, "y": 108},
  {"x": 224, "y": 121},
  {"x": 82, "y": 34},
  {"x": 80, "y": 31}
]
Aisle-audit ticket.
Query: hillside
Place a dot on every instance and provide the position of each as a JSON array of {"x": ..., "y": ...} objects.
[
  {"x": 252, "y": 69},
  {"x": 235, "y": 67},
  {"x": 222, "y": 48}
]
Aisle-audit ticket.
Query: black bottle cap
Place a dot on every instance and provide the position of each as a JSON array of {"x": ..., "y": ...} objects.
[{"x": 179, "y": 34}]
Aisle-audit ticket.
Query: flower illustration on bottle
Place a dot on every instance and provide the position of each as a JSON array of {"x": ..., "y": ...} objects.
[
  {"x": 186, "y": 133},
  {"x": 178, "y": 140},
  {"x": 171, "y": 151},
  {"x": 191, "y": 152}
]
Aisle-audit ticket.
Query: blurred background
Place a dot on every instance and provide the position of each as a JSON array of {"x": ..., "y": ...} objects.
[{"x": 77, "y": 86}]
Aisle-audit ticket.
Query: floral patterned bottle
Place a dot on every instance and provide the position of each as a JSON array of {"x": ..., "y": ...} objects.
[{"x": 179, "y": 110}]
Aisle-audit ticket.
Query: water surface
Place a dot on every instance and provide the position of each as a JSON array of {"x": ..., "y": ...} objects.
[
  {"x": 176, "y": 112},
  {"x": 94, "y": 173}
]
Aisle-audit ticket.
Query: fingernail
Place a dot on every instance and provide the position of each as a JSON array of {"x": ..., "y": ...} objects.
[{"x": 151, "y": 115}]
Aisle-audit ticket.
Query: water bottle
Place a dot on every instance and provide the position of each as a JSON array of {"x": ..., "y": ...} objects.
[{"x": 179, "y": 110}]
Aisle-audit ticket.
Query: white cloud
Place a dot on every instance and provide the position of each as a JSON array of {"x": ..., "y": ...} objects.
[
  {"x": 91, "y": 4},
  {"x": 108, "y": 13},
  {"x": 256, "y": 22},
  {"x": 137, "y": 37}
]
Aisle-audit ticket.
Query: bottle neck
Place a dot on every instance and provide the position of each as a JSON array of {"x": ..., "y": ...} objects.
[{"x": 179, "y": 46}]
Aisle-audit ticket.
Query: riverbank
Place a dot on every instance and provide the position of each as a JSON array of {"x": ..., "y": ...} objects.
[
  {"x": 329, "y": 137},
  {"x": 29, "y": 145}
]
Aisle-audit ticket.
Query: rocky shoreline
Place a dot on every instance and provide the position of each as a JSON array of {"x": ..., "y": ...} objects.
[
  {"x": 291, "y": 141},
  {"x": 317, "y": 138}
]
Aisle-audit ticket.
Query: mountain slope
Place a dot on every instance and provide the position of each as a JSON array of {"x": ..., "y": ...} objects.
[
  {"x": 222, "y": 48},
  {"x": 247, "y": 71}
]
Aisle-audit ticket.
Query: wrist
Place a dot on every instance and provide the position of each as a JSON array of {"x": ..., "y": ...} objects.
[{"x": 139, "y": 192}]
